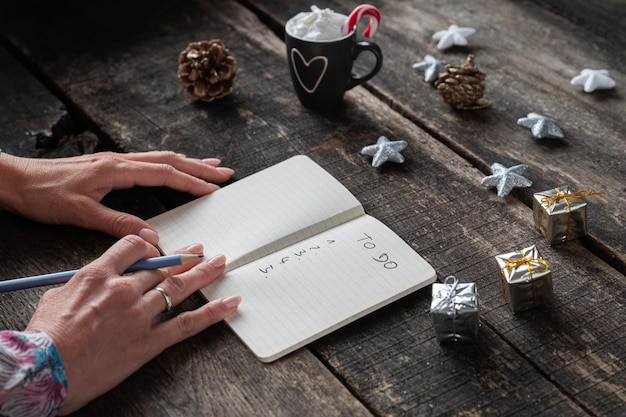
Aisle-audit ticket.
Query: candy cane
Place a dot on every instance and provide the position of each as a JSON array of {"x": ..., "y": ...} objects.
[{"x": 353, "y": 19}]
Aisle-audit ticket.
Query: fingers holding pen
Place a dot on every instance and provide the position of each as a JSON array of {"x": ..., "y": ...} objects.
[
  {"x": 176, "y": 284},
  {"x": 147, "y": 280},
  {"x": 125, "y": 252},
  {"x": 103, "y": 311}
]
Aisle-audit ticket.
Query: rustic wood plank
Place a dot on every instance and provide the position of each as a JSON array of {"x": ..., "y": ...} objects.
[
  {"x": 212, "y": 373},
  {"x": 529, "y": 55},
  {"x": 30, "y": 116},
  {"x": 152, "y": 112},
  {"x": 602, "y": 18},
  {"x": 534, "y": 362},
  {"x": 436, "y": 204}
]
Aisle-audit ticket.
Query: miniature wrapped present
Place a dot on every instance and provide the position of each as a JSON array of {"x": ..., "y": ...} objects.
[
  {"x": 560, "y": 214},
  {"x": 454, "y": 311},
  {"x": 526, "y": 279}
]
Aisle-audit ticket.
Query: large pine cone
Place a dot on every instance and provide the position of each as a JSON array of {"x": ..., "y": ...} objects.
[
  {"x": 207, "y": 70},
  {"x": 462, "y": 85}
]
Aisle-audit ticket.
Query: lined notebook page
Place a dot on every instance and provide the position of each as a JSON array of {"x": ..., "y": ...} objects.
[
  {"x": 303, "y": 292},
  {"x": 261, "y": 213}
]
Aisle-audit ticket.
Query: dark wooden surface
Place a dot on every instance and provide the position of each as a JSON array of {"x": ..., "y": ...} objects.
[{"x": 78, "y": 76}]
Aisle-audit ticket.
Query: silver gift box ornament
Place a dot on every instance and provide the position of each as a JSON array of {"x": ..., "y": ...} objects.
[
  {"x": 560, "y": 214},
  {"x": 454, "y": 311},
  {"x": 526, "y": 279}
]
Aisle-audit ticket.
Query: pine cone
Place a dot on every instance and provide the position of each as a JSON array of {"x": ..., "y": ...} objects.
[
  {"x": 207, "y": 70},
  {"x": 461, "y": 85}
]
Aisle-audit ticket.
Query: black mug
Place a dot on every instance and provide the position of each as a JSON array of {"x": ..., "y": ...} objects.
[{"x": 321, "y": 71}]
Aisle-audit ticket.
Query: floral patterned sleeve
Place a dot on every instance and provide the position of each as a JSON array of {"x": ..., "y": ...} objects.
[{"x": 32, "y": 377}]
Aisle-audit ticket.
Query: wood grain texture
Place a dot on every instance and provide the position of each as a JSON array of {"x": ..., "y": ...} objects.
[
  {"x": 605, "y": 19},
  {"x": 220, "y": 376},
  {"x": 529, "y": 55},
  {"x": 436, "y": 204},
  {"x": 563, "y": 359},
  {"x": 30, "y": 116}
]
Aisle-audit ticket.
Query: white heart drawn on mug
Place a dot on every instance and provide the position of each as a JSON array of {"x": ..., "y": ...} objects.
[{"x": 294, "y": 52}]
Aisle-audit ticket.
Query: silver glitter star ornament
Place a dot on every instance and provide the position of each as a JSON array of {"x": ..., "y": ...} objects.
[
  {"x": 454, "y": 35},
  {"x": 505, "y": 179},
  {"x": 385, "y": 150},
  {"x": 431, "y": 67},
  {"x": 592, "y": 80},
  {"x": 541, "y": 127}
]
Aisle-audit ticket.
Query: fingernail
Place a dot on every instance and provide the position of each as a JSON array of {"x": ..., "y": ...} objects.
[
  {"x": 149, "y": 236},
  {"x": 213, "y": 187},
  {"x": 196, "y": 248},
  {"x": 232, "y": 301},
  {"x": 227, "y": 171},
  {"x": 217, "y": 261},
  {"x": 212, "y": 161}
]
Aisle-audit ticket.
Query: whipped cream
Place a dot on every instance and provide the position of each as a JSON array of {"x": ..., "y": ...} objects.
[{"x": 316, "y": 25}]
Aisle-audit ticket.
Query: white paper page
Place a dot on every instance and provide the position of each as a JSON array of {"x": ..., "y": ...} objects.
[
  {"x": 261, "y": 213},
  {"x": 303, "y": 292}
]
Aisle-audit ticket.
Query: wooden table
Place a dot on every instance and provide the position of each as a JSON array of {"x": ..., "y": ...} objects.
[{"x": 78, "y": 76}]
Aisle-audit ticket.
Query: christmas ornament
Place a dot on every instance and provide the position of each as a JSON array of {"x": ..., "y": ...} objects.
[
  {"x": 505, "y": 179},
  {"x": 385, "y": 150},
  {"x": 461, "y": 85},
  {"x": 207, "y": 70},
  {"x": 454, "y": 35},
  {"x": 541, "y": 127},
  {"x": 454, "y": 311},
  {"x": 359, "y": 12},
  {"x": 560, "y": 214},
  {"x": 526, "y": 279},
  {"x": 431, "y": 67},
  {"x": 592, "y": 80}
]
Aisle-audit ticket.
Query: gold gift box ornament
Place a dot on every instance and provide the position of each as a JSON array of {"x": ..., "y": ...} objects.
[
  {"x": 560, "y": 214},
  {"x": 526, "y": 279}
]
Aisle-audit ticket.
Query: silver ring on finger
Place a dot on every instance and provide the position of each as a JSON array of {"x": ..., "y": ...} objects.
[{"x": 168, "y": 300}]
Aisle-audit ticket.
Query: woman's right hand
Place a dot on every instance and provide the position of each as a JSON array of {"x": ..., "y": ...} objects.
[{"x": 103, "y": 321}]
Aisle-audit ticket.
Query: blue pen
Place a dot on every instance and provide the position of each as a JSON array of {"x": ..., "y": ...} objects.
[{"x": 63, "y": 277}]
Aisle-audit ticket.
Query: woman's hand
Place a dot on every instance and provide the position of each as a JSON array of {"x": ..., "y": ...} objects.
[
  {"x": 103, "y": 322},
  {"x": 69, "y": 190}
]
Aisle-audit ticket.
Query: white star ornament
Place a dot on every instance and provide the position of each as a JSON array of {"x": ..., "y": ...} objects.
[
  {"x": 454, "y": 35},
  {"x": 431, "y": 67},
  {"x": 592, "y": 80}
]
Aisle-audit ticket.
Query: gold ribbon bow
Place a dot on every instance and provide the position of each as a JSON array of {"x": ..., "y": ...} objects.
[{"x": 532, "y": 264}]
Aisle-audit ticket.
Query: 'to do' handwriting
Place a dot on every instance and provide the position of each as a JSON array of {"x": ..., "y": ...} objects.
[{"x": 383, "y": 257}]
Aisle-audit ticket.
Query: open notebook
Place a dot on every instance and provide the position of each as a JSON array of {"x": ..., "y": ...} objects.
[{"x": 301, "y": 252}]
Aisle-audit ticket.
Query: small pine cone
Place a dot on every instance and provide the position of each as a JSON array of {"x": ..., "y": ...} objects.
[
  {"x": 461, "y": 85},
  {"x": 207, "y": 70}
]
